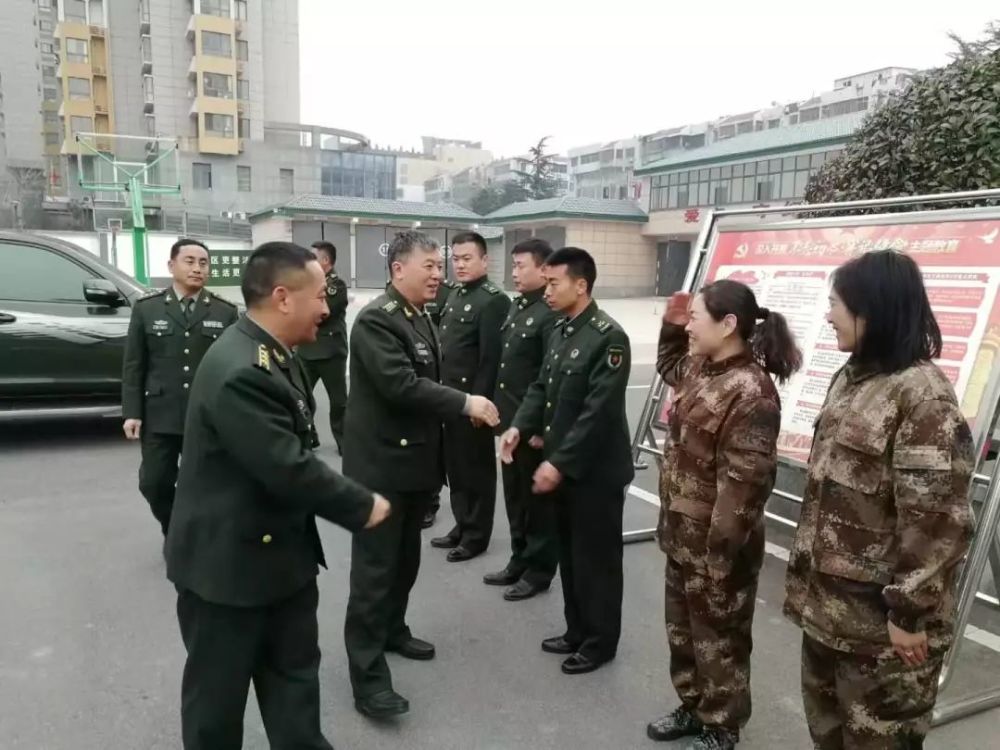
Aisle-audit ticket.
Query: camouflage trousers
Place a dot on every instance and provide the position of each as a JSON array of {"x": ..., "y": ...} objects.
[
  {"x": 709, "y": 630},
  {"x": 856, "y": 702}
]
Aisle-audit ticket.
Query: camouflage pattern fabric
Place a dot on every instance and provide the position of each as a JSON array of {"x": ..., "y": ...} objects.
[
  {"x": 885, "y": 518},
  {"x": 718, "y": 471},
  {"x": 859, "y": 702}
]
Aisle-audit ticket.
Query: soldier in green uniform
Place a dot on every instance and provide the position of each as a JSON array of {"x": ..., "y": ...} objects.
[
  {"x": 169, "y": 333},
  {"x": 434, "y": 310},
  {"x": 243, "y": 548},
  {"x": 394, "y": 417},
  {"x": 534, "y": 547},
  {"x": 326, "y": 358},
  {"x": 578, "y": 406},
  {"x": 471, "y": 346}
]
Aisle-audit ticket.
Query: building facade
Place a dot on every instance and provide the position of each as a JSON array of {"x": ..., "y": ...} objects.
[{"x": 604, "y": 170}]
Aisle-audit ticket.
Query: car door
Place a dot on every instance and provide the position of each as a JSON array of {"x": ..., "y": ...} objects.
[{"x": 54, "y": 344}]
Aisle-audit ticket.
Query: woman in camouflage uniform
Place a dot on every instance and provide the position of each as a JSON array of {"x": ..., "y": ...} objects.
[
  {"x": 885, "y": 519},
  {"x": 718, "y": 472}
]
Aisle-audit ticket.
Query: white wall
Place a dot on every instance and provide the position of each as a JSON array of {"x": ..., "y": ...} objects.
[
  {"x": 89, "y": 241},
  {"x": 158, "y": 250}
]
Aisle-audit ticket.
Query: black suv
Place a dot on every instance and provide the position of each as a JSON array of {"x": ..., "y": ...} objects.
[{"x": 64, "y": 317}]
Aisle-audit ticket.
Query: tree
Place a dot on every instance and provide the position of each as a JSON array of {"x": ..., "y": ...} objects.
[
  {"x": 940, "y": 134},
  {"x": 539, "y": 180},
  {"x": 495, "y": 197}
]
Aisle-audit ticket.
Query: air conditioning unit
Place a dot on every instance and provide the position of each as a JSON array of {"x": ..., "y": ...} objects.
[
  {"x": 101, "y": 109},
  {"x": 99, "y": 70},
  {"x": 97, "y": 31}
]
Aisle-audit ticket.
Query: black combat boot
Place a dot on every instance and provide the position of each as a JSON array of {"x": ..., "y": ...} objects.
[
  {"x": 673, "y": 726},
  {"x": 715, "y": 738}
]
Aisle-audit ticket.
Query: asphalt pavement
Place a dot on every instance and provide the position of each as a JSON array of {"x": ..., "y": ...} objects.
[{"x": 91, "y": 658}]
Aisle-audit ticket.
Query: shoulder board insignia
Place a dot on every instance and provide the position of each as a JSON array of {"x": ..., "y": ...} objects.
[
  {"x": 152, "y": 293},
  {"x": 492, "y": 288},
  {"x": 391, "y": 306},
  {"x": 561, "y": 322},
  {"x": 601, "y": 324},
  {"x": 263, "y": 360},
  {"x": 215, "y": 296}
]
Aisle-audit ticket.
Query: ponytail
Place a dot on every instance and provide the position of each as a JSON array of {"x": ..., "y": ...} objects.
[{"x": 773, "y": 345}]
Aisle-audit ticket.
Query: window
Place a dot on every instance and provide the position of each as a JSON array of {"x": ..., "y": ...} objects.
[
  {"x": 47, "y": 48},
  {"x": 764, "y": 191},
  {"x": 201, "y": 176},
  {"x": 809, "y": 115},
  {"x": 241, "y": 10},
  {"x": 79, "y": 88},
  {"x": 77, "y": 50},
  {"x": 219, "y": 125},
  {"x": 49, "y": 71},
  {"x": 215, "y": 8},
  {"x": 34, "y": 274},
  {"x": 243, "y": 126},
  {"x": 44, "y": 4},
  {"x": 242, "y": 50},
  {"x": 50, "y": 95},
  {"x": 75, "y": 10},
  {"x": 286, "y": 180},
  {"x": 218, "y": 85},
  {"x": 52, "y": 139},
  {"x": 721, "y": 195},
  {"x": 242, "y": 89},
  {"x": 51, "y": 119},
  {"x": 216, "y": 45},
  {"x": 244, "y": 183},
  {"x": 81, "y": 125},
  {"x": 45, "y": 25},
  {"x": 97, "y": 12},
  {"x": 771, "y": 124}
]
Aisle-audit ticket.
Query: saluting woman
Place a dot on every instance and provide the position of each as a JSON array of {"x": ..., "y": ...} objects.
[{"x": 717, "y": 352}]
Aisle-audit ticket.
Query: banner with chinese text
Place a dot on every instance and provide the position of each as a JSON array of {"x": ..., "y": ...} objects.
[{"x": 226, "y": 266}]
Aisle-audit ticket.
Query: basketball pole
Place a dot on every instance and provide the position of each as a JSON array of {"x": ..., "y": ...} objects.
[{"x": 138, "y": 230}]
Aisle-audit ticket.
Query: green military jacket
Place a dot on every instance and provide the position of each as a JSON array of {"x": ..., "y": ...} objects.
[
  {"x": 396, "y": 403},
  {"x": 470, "y": 336},
  {"x": 436, "y": 308},
  {"x": 162, "y": 353},
  {"x": 577, "y": 404},
  {"x": 331, "y": 339},
  {"x": 243, "y": 528},
  {"x": 525, "y": 335}
]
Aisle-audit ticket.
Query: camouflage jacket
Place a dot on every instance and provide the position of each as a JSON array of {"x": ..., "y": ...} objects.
[
  {"x": 885, "y": 519},
  {"x": 720, "y": 459}
]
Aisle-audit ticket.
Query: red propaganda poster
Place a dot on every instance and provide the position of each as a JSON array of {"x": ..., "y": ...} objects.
[{"x": 789, "y": 270}]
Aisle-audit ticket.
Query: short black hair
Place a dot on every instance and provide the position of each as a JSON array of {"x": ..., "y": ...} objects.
[
  {"x": 579, "y": 264},
  {"x": 175, "y": 249},
  {"x": 405, "y": 243},
  {"x": 886, "y": 289},
  {"x": 540, "y": 249},
  {"x": 474, "y": 237},
  {"x": 267, "y": 266},
  {"x": 327, "y": 247}
]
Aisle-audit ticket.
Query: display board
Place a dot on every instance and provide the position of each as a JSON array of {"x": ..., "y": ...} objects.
[{"x": 790, "y": 270}]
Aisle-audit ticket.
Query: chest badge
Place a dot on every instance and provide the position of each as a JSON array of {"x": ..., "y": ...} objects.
[
  {"x": 529, "y": 321},
  {"x": 574, "y": 354}
]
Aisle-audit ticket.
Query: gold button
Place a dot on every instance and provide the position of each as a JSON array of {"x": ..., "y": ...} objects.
[
  {"x": 187, "y": 334},
  {"x": 547, "y": 428},
  {"x": 187, "y": 351},
  {"x": 548, "y": 404},
  {"x": 443, "y": 327},
  {"x": 187, "y": 385},
  {"x": 159, "y": 334},
  {"x": 403, "y": 442},
  {"x": 501, "y": 385},
  {"x": 550, "y": 380},
  {"x": 266, "y": 538},
  {"x": 463, "y": 380},
  {"x": 555, "y": 356},
  {"x": 187, "y": 369},
  {"x": 502, "y": 365},
  {"x": 506, "y": 346}
]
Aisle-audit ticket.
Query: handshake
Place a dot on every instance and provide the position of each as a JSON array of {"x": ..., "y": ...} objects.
[{"x": 482, "y": 411}]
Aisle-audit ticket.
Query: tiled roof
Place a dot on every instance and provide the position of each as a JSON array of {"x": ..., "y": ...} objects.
[
  {"x": 763, "y": 141},
  {"x": 339, "y": 205},
  {"x": 569, "y": 207}
]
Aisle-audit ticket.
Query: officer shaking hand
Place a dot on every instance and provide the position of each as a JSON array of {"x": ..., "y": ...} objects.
[{"x": 243, "y": 548}]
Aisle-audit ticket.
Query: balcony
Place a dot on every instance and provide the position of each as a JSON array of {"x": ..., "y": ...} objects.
[
  {"x": 144, "y": 17},
  {"x": 146, "y": 53}
]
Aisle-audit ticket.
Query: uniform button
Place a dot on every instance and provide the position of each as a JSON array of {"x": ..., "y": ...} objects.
[
  {"x": 158, "y": 335},
  {"x": 550, "y": 380},
  {"x": 187, "y": 385},
  {"x": 548, "y": 404},
  {"x": 463, "y": 380},
  {"x": 403, "y": 442},
  {"x": 266, "y": 538},
  {"x": 187, "y": 369},
  {"x": 187, "y": 334},
  {"x": 547, "y": 428},
  {"x": 147, "y": 393},
  {"x": 443, "y": 327},
  {"x": 555, "y": 356},
  {"x": 502, "y": 365},
  {"x": 523, "y": 335},
  {"x": 506, "y": 346},
  {"x": 501, "y": 386},
  {"x": 187, "y": 351}
]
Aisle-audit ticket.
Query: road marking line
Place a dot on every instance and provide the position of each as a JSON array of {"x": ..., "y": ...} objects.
[{"x": 978, "y": 635}]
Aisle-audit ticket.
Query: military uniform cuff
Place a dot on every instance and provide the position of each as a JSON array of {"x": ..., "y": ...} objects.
[{"x": 911, "y": 623}]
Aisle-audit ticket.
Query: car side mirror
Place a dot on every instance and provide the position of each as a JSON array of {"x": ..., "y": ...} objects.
[{"x": 102, "y": 292}]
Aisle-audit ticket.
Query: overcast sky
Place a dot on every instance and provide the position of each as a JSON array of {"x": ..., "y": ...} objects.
[{"x": 587, "y": 71}]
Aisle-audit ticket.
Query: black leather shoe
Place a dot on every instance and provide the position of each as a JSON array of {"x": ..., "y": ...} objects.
[
  {"x": 461, "y": 554},
  {"x": 558, "y": 645},
  {"x": 523, "y": 590},
  {"x": 579, "y": 664},
  {"x": 429, "y": 518},
  {"x": 444, "y": 542},
  {"x": 414, "y": 648},
  {"x": 506, "y": 577},
  {"x": 673, "y": 726},
  {"x": 715, "y": 738},
  {"x": 382, "y": 705}
]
